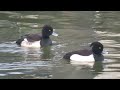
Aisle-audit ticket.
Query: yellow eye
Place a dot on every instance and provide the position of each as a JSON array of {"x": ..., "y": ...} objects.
[{"x": 99, "y": 47}]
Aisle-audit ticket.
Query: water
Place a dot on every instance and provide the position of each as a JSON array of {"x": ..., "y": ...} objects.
[{"x": 76, "y": 29}]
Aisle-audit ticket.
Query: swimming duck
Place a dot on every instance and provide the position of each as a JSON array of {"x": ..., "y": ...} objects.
[
  {"x": 38, "y": 39},
  {"x": 94, "y": 54}
]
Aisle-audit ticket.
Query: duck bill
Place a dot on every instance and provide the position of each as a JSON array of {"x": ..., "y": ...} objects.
[
  {"x": 54, "y": 33},
  {"x": 104, "y": 52}
]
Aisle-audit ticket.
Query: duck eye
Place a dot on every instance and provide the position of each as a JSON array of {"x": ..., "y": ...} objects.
[
  {"x": 99, "y": 47},
  {"x": 49, "y": 30}
]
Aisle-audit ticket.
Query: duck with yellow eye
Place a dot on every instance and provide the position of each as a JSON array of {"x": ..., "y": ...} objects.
[
  {"x": 37, "y": 40},
  {"x": 94, "y": 54}
]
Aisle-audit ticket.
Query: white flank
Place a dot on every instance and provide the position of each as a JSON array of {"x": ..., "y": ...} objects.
[
  {"x": 82, "y": 60},
  {"x": 25, "y": 43},
  {"x": 79, "y": 58}
]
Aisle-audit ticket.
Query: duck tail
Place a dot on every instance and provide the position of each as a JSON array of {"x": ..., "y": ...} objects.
[{"x": 19, "y": 41}]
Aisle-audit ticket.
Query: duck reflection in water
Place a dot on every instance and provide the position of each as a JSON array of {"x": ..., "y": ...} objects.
[
  {"x": 46, "y": 53},
  {"x": 87, "y": 70}
]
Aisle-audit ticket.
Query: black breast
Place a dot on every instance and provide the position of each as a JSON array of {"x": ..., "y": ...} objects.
[{"x": 46, "y": 42}]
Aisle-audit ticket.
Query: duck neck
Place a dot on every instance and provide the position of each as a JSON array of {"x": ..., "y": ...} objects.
[{"x": 45, "y": 37}]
